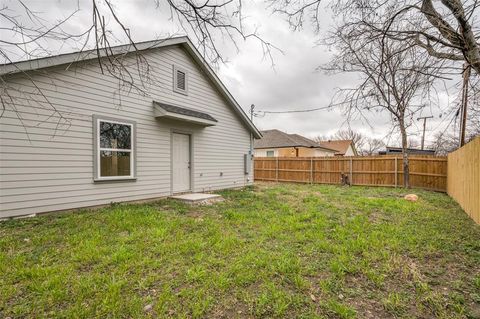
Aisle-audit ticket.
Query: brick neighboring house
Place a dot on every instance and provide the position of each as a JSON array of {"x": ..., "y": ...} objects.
[
  {"x": 276, "y": 143},
  {"x": 342, "y": 147}
]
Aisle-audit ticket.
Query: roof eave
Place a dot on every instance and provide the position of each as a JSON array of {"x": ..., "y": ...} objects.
[
  {"x": 184, "y": 41},
  {"x": 188, "y": 45},
  {"x": 159, "y": 113},
  {"x": 69, "y": 58},
  {"x": 328, "y": 149}
]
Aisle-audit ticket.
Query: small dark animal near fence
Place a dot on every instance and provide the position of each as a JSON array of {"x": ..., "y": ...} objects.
[{"x": 428, "y": 172}]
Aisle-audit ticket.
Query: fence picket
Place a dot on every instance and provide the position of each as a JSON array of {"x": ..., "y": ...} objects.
[
  {"x": 425, "y": 172},
  {"x": 464, "y": 178}
]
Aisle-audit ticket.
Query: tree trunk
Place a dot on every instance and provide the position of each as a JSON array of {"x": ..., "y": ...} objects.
[{"x": 406, "y": 170}]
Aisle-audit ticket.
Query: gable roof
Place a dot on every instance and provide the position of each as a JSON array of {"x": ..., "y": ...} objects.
[
  {"x": 341, "y": 146},
  {"x": 184, "y": 42},
  {"x": 277, "y": 139}
]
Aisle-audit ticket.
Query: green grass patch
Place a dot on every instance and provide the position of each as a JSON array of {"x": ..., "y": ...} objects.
[{"x": 273, "y": 250}]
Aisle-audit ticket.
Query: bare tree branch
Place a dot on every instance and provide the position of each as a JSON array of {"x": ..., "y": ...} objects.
[
  {"x": 396, "y": 77},
  {"x": 26, "y": 35},
  {"x": 447, "y": 31}
]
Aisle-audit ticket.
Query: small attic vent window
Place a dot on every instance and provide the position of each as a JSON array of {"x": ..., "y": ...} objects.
[{"x": 180, "y": 78}]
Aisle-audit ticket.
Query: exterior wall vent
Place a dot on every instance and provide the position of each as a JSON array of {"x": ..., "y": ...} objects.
[{"x": 180, "y": 80}]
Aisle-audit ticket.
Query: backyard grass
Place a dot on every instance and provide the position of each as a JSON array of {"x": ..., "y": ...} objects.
[{"x": 267, "y": 251}]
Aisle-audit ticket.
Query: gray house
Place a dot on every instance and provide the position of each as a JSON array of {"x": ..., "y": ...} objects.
[{"x": 73, "y": 136}]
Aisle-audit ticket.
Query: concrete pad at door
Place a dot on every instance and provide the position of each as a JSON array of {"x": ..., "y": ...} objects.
[{"x": 195, "y": 198}]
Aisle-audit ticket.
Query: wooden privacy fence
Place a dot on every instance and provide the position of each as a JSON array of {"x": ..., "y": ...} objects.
[
  {"x": 425, "y": 172},
  {"x": 464, "y": 178}
]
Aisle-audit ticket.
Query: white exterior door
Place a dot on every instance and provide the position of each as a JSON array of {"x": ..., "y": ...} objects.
[{"x": 180, "y": 163}]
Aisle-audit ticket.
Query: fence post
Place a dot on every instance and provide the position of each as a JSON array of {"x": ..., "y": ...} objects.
[
  {"x": 396, "y": 171},
  {"x": 351, "y": 171},
  {"x": 276, "y": 169},
  {"x": 311, "y": 170}
]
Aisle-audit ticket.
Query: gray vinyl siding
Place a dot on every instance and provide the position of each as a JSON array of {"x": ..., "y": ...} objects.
[{"x": 45, "y": 167}]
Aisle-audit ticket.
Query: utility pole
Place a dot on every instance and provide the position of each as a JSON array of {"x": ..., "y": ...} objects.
[
  {"x": 252, "y": 107},
  {"x": 424, "y": 118},
  {"x": 463, "y": 118}
]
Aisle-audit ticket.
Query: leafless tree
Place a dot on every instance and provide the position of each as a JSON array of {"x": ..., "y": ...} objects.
[
  {"x": 446, "y": 29},
  {"x": 413, "y": 143},
  {"x": 372, "y": 146},
  {"x": 364, "y": 145},
  {"x": 395, "y": 78},
  {"x": 348, "y": 134},
  {"x": 26, "y": 34},
  {"x": 444, "y": 143},
  {"x": 448, "y": 139},
  {"x": 473, "y": 110}
]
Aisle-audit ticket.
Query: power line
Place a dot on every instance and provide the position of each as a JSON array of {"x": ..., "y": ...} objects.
[
  {"x": 261, "y": 113},
  {"x": 293, "y": 111}
]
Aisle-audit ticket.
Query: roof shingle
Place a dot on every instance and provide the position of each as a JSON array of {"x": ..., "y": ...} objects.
[
  {"x": 185, "y": 111},
  {"x": 277, "y": 138}
]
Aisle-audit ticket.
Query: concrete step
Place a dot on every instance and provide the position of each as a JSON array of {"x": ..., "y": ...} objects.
[{"x": 198, "y": 198}]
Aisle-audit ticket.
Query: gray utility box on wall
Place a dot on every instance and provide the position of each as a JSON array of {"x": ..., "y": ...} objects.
[{"x": 247, "y": 161}]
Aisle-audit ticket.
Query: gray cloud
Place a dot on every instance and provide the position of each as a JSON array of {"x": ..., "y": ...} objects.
[{"x": 292, "y": 84}]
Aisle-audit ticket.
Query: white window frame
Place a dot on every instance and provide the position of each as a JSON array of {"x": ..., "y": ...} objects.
[
  {"x": 99, "y": 149},
  {"x": 175, "y": 87},
  {"x": 266, "y": 153}
]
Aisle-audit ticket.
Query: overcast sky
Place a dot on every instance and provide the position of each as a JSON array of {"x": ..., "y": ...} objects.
[{"x": 292, "y": 84}]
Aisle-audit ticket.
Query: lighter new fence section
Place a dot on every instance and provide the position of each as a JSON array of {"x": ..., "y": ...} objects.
[
  {"x": 425, "y": 172},
  {"x": 464, "y": 178}
]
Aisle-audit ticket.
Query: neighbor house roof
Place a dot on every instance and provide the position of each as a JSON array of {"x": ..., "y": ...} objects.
[
  {"x": 277, "y": 139},
  {"x": 184, "y": 42},
  {"x": 398, "y": 150},
  {"x": 341, "y": 146}
]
